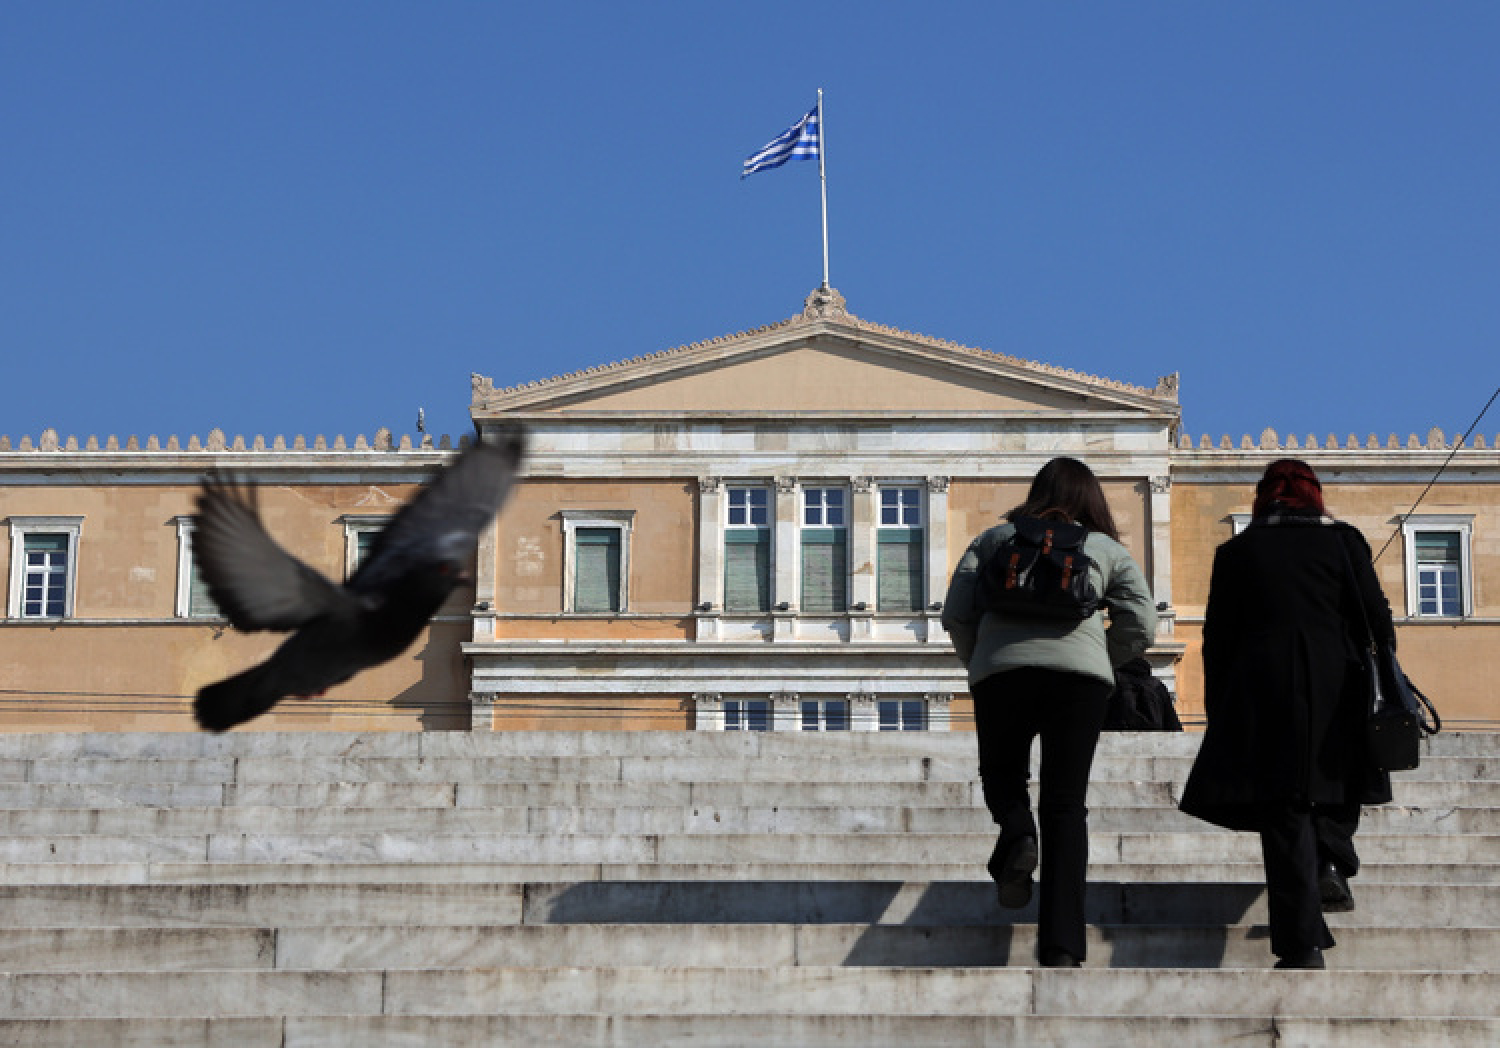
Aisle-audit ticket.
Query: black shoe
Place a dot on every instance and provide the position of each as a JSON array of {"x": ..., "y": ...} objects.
[
  {"x": 1011, "y": 866},
  {"x": 1058, "y": 959},
  {"x": 1333, "y": 890},
  {"x": 1312, "y": 959}
]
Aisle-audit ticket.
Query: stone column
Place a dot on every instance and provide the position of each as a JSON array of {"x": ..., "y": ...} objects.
[
  {"x": 938, "y": 568},
  {"x": 785, "y": 559},
  {"x": 486, "y": 570},
  {"x": 863, "y": 553},
  {"x": 708, "y": 711},
  {"x": 939, "y": 710},
  {"x": 863, "y": 713},
  {"x": 1161, "y": 549},
  {"x": 786, "y": 711},
  {"x": 709, "y": 606}
]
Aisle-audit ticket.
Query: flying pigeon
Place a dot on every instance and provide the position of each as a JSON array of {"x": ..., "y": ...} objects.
[{"x": 415, "y": 563}]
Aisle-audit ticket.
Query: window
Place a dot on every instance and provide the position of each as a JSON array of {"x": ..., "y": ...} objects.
[
  {"x": 747, "y": 715},
  {"x": 43, "y": 566},
  {"x": 46, "y": 584},
  {"x": 825, "y": 551},
  {"x": 901, "y": 545},
  {"x": 749, "y": 507},
  {"x": 1438, "y": 577},
  {"x": 193, "y": 600},
  {"x": 1439, "y": 584},
  {"x": 360, "y": 532},
  {"x": 825, "y": 715},
  {"x": 596, "y": 565},
  {"x": 747, "y": 550},
  {"x": 596, "y": 575},
  {"x": 902, "y": 715}
]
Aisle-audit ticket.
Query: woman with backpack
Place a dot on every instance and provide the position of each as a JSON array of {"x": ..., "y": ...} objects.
[{"x": 1042, "y": 665}]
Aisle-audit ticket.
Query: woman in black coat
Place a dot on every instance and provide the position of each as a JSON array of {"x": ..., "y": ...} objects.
[{"x": 1284, "y": 752}]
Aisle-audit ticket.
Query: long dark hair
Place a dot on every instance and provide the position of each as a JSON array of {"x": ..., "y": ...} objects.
[
  {"x": 1291, "y": 486},
  {"x": 1066, "y": 487}
]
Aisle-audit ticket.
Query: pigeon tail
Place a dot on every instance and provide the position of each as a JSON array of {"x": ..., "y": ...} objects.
[{"x": 237, "y": 699}]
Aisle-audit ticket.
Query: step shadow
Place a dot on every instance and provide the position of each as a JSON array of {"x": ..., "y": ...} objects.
[{"x": 936, "y": 924}]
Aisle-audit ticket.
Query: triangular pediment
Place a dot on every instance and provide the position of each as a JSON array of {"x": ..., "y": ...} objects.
[{"x": 824, "y": 362}]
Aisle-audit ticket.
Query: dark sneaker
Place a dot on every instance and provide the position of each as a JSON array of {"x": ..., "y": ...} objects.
[
  {"x": 1011, "y": 866},
  {"x": 1333, "y": 890}
]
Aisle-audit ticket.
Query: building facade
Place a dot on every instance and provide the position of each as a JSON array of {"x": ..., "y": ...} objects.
[{"x": 749, "y": 533}]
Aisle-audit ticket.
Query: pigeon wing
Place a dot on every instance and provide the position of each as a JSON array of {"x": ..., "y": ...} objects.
[
  {"x": 256, "y": 584},
  {"x": 447, "y": 515}
]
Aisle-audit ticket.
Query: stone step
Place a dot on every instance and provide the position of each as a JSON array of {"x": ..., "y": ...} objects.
[
  {"x": 1409, "y": 873},
  {"x": 84, "y": 796},
  {"x": 360, "y": 947},
  {"x": 661, "y": 819},
  {"x": 789, "y": 990},
  {"x": 73, "y": 745},
  {"x": 256, "y": 905},
  {"x": 1195, "y": 845},
  {"x": 690, "y": 888},
  {"x": 974, "y": 903},
  {"x": 917, "y": 903},
  {"x": 736, "y": 1031},
  {"x": 790, "y": 767}
]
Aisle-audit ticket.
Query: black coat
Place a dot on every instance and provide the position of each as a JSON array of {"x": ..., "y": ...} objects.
[{"x": 1284, "y": 680}]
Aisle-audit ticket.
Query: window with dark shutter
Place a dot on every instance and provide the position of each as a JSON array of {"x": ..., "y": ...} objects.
[
  {"x": 200, "y": 603},
  {"x": 747, "y": 569},
  {"x": 596, "y": 573},
  {"x": 825, "y": 570},
  {"x": 899, "y": 569}
]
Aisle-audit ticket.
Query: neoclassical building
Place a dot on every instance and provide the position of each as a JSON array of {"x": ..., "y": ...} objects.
[{"x": 749, "y": 533}]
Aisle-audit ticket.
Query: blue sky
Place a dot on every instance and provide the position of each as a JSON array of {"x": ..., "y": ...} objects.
[{"x": 318, "y": 217}]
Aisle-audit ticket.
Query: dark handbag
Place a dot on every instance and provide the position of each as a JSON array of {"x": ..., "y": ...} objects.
[{"x": 1398, "y": 715}]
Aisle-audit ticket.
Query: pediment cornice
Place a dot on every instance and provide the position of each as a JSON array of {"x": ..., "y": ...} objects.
[{"x": 824, "y": 321}]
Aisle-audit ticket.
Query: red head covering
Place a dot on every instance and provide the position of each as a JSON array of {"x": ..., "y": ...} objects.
[{"x": 1290, "y": 485}]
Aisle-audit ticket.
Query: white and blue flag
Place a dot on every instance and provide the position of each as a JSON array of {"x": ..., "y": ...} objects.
[{"x": 801, "y": 141}]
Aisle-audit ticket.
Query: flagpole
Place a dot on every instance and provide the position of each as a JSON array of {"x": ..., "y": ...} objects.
[{"x": 823, "y": 181}]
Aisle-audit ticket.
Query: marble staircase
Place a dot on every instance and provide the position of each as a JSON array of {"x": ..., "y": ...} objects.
[{"x": 319, "y": 889}]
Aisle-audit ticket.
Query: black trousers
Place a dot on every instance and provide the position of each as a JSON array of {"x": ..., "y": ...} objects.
[
  {"x": 1295, "y": 840},
  {"x": 1067, "y": 711}
]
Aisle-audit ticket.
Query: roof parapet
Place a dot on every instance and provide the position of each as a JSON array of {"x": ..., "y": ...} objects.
[
  {"x": 1269, "y": 440},
  {"x": 217, "y": 441}
]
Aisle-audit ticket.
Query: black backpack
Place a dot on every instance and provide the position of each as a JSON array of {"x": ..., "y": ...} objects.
[{"x": 1041, "y": 571}]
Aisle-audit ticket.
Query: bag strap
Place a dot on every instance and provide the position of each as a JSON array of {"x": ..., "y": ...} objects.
[
  {"x": 1430, "y": 721},
  {"x": 1359, "y": 599}
]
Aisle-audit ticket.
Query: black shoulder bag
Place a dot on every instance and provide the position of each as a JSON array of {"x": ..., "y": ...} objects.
[{"x": 1399, "y": 716}]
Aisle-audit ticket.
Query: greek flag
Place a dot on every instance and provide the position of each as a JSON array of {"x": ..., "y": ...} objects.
[{"x": 801, "y": 140}]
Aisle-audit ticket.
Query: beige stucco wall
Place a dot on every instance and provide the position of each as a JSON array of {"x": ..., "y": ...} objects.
[
  {"x": 1455, "y": 662},
  {"x": 124, "y": 661},
  {"x": 828, "y": 377},
  {"x": 74, "y": 676},
  {"x": 975, "y": 505},
  {"x": 530, "y": 554},
  {"x": 591, "y": 713}
]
